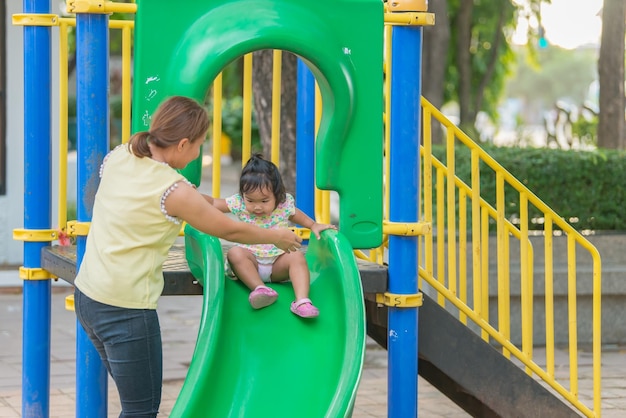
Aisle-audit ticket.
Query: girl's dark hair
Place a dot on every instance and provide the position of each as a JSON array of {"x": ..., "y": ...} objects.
[
  {"x": 259, "y": 173},
  {"x": 176, "y": 118}
]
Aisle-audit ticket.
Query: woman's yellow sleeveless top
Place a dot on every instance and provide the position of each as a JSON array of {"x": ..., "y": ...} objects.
[{"x": 130, "y": 233}]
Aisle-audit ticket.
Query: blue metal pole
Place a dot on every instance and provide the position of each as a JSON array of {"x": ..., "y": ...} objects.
[
  {"x": 37, "y": 196},
  {"x": 403, "y": 207},
  {"x": 305, "y": 140},
  {"x": 92, "y": 106}
]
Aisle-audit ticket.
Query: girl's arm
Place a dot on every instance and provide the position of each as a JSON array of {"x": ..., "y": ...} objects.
[
  {"x": 303, "y": 219},
  {"x": 221, "y": 205},
  {"x": 208, "y": 198},
  {"x": 186, "y": 203},
  {"x": 217, "y": 202}
]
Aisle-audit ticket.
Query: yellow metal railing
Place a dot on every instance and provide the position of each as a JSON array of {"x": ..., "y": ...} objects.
[
  {"x": 444, "y": 266},
  {"x": 460, "y": 283},
  {"x": 126, "y": 27}
]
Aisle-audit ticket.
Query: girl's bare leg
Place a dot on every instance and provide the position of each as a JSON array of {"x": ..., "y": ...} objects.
[
  {"x": 293, "y": 266},
  {"x": 245, "y": 266}
]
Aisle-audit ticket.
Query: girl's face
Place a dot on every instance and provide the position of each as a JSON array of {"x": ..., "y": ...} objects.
[{"x": 260, "y": 202}]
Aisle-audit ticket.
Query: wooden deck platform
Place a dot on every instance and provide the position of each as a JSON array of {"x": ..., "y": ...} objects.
[{"x": 61, "y": 261}]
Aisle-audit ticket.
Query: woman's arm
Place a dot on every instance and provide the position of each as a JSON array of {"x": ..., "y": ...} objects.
[{"x": 188, "y": 204}]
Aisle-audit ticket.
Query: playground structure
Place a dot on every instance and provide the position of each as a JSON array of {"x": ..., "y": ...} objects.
[{"x": 393, "y": 219}]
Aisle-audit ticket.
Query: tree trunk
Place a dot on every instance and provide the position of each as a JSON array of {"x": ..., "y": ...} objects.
[
  {"x": 435, "y": 51},
  {"x": 3, "y": 98},
  {"x": 611, "y": 76},
  {"x": 498, "y": 39},
  {"x": 262, "y": 96},
  {"x": 464, "y": 62}
]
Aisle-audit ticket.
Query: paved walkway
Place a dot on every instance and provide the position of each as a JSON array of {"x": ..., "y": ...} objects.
[{"x": 180, "y": 319}]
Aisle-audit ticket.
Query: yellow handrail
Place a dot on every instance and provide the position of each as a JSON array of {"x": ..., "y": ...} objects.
[{"x": 450, "y": 195}]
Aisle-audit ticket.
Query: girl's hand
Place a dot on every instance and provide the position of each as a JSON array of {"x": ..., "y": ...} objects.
[{"x": 317, "y": 228}]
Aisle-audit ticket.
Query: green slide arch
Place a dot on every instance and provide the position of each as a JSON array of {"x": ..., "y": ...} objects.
[
  {"x": 271, "y": 363},
  {"x": 181, "y": 51}
]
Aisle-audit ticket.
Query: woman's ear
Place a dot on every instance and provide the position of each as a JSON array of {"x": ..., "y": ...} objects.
[{"x": 182, "y": 143}]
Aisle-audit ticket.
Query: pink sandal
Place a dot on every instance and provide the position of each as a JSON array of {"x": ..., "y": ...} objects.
[
  {"x": 304, "y": 308},
  {"x": 262, "y": 296}
]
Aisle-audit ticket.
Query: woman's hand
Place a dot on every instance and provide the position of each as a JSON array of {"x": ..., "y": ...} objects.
[{"x": 287, "y": 240}]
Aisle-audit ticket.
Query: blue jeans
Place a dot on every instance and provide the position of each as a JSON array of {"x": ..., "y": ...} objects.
[{"x": 129, "y": 343}]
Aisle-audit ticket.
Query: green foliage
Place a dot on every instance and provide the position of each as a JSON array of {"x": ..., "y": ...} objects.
[
  {"x": 586, "y": 129},
  {"x": 232, "y": 75},
  {"x": 71, "y": 212},
  {"x": 586, "y": 188},
  {"x": 115, "y": 109},
  {"x": 115, "y": 35},
  {"x": 71, "y": 106},
  {"x": 115, "y": 106},
  {"x": 232, "y": 124},
  {"x": 490, "y": 21}
]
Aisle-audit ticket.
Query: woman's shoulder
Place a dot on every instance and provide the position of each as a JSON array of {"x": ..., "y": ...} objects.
[{"x": 117, "y": 150}]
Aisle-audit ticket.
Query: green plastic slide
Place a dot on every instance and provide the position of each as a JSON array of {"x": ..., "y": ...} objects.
[{"x": 269, "y": 362}]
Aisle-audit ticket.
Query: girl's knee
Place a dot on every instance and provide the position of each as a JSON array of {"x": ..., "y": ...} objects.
[
  {"x": 236, "y": 254},
  {"x": 297, "y": 257}
]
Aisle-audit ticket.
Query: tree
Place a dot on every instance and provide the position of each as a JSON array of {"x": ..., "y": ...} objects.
[
  {"x": 436, "y": 41},
  {"x": 478, "y": 57},
  {"x": 262, "y": 96},
  {"x": 476, "y": 34},
  {"x": 435, "y": 51},
  {"x": 482, "y": 55},
  {"x": 611, "y": 76},
  {"x": 3, "y": 99}
]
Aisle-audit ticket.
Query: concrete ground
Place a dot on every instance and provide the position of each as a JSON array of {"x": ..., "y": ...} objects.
[{"x": 180, "y": 318}]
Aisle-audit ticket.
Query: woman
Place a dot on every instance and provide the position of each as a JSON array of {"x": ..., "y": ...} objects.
[{"x": 139, "y": 206}]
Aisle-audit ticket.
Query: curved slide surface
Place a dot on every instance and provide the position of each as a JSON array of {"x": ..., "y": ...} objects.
[{"x": 269, "y": 362}]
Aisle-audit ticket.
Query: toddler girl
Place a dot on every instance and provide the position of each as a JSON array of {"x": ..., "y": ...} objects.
[{"x": 262, "y": 201}]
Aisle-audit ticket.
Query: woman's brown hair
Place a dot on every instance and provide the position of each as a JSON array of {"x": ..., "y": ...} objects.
[{"x": 176, "y": 118}]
